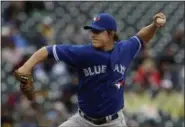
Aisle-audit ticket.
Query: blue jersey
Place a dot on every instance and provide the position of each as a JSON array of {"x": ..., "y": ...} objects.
[{"x": 101, "y": 74}]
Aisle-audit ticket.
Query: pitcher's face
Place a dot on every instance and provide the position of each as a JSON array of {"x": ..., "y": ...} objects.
[{"x": 99, "y": 38}]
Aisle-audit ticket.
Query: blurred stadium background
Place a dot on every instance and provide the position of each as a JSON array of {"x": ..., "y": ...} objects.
[{"x": 154, "y": 91}]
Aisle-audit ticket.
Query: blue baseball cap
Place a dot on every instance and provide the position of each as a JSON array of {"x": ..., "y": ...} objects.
[{"x": 103, "y": 21}]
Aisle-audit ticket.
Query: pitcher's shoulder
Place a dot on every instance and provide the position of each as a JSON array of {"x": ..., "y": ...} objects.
[
  {"x": 121, "y": 42},
  {"x": 83, "y": 49}
]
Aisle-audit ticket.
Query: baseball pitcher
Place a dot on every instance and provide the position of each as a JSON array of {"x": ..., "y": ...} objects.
[{"x": 101, "y": 67}]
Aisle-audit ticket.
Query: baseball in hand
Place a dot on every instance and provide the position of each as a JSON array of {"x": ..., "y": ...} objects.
[{"x": 161, "y": 21}]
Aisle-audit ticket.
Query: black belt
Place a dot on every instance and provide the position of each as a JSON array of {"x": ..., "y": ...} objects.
[{"x": 100, "y": 120}]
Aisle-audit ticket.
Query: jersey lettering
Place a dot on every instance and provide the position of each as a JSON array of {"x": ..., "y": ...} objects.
[
  {"x": 119, "y": 68},
  {"x": 90, "y": 71},
  {"x": 100, "y": 69}
]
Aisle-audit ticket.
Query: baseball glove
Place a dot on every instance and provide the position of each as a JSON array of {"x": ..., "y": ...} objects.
[{"x": 26, "y": 86}]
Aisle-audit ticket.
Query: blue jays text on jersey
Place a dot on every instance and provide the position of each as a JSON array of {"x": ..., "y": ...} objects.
[
  {"x": 101, "y": 74},
  {"x": 100, "y": 69}
]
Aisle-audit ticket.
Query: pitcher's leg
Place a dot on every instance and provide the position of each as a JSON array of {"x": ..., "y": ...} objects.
[
  {"x": 72, "y": 122},
  {"x": 124, "y": 124},
  {"x": 77, "y": 121}
]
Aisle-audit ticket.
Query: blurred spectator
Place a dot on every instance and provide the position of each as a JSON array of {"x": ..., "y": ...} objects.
[
  {"x": 44, "y": 33},
  {"x": 15, "y": 34},
  {"x": 10, "y": 53},
  {"x": 177, "y": 44},
  {"x": 147, "y": 75},
  {"x": 47, "y": 30},
  {"x": 169, "y": 74}
]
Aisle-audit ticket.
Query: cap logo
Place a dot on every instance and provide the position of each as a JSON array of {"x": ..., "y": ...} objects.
[{"x": 96, "y": 19}]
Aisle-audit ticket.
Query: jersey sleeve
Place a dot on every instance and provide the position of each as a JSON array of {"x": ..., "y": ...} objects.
[
  {"x": 132, "y": 46},
  {"x": 70, "y": 54},
  {"x": 135, "y": 44}
]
